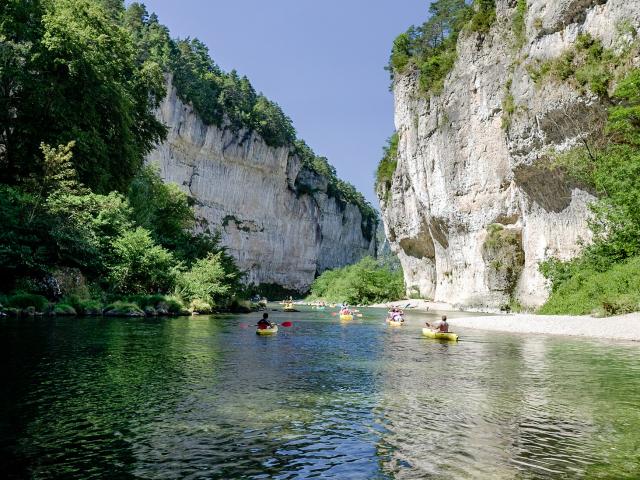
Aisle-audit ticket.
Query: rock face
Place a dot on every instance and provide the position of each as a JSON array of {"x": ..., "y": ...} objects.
[
  {"x": 471, "y": 211},
  {"x": 275, "y": 216}
]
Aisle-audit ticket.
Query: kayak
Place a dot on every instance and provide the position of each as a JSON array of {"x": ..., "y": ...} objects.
[
  {"x": 427, "y": 332},
  {"x": 393, "y": 323},
  {"x": 346, "y": 317},
  {"x": 289, "y": 308},
  {"x": 267, "y": 331}
]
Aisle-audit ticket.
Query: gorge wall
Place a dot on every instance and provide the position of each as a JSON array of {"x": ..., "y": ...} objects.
[
  {"x": 274, "y": 215},
  {"x": 471, "y": 209}
]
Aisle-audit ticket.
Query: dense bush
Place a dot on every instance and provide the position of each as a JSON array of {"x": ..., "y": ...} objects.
[
  {"x": 25, "y": 300},
  {"x": 206, "y": 281},
  {"x": 581, "y": 289},
  {"x": 365, "y": 282},
  {"x": 141, "y": 266}
]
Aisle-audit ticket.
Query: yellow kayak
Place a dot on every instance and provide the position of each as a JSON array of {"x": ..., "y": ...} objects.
[
  {"x": 427, "y": 332},
  {"x": 267, "y": 331},
  {"x": 289, "y": 308},
  {"x": 346, "y": 317},
  {"x": 393, "y": 323}
]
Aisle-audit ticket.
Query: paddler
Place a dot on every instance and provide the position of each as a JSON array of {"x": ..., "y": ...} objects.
[
  {"x": 442, "y": 326},
  {"x": 264, "y": 323}
]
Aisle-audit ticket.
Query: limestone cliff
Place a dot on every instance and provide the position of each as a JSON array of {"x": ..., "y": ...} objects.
[
  {"x": 275, "y": 216},
  {"x": 470, "y": 188}
]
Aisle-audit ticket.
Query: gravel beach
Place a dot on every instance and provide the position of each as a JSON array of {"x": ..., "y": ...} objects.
[{"x": 625, "y": 327}]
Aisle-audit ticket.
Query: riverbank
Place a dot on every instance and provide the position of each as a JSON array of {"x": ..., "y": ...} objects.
[
  {"x": 415, "y": 305},
  {"x": 624, "y": 327}
]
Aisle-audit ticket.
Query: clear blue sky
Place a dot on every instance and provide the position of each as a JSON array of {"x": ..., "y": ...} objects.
[{"x": 321, "y": 60}]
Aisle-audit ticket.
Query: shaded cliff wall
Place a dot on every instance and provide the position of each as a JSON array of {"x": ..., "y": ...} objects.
[
  {"x": 274, "y": 215},
  {"x": 471, "y": 210}
]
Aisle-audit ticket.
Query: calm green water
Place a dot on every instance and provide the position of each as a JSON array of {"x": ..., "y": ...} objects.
[{"x": 204, "y": 397}]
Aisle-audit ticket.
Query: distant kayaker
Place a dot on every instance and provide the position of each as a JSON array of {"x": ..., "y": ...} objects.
[
  {"x": 442, "y": 326},
  {"x": 264, "y": 323}
]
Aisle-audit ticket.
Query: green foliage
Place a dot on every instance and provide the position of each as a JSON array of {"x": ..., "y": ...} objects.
[
  {"x": 483, "y": 17},
  {"x": 502, "y": 250},
  {"x": 69, "y": 73},
  {"x": 24, "y": 300},
  {"x": 121, "y": 308},
  {"x": 139, "y": 265},
  {"x": 431, "y": 47},
  {"x": 586, "y": 65},
  {"x": 25, "y": 245},
  {"x": 519, "y": 25},
  {"x": 624, "y": 116},
  {"x": 207, "y": 281},
  {"x": 365, "y": 282},
  {"x": 63, "y": 224},
  {"x": 200, "y": 307},
  {"x": 388, "y": 163},
  {"x": 162, "y": 208},
  {"x": 579, "y": 289},
  {"x": 613, "y": 171},
  {"x": 64, "y": 309}
]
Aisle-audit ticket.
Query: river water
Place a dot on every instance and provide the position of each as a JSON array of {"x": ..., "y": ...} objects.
[{"x": 205, "y": 397}]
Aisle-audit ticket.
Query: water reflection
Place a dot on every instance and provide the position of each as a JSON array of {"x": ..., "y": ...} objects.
[{"x": 206, "y": 398}]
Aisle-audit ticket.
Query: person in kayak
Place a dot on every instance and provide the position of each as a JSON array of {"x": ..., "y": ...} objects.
[
  {"x": 442, "y": 326},
  {"x": 264, "y": 323}
]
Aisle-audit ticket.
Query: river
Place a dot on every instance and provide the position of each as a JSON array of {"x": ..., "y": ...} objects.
[{"x": 205, "y": 397}]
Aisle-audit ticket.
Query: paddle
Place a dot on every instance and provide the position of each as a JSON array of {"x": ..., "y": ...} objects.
[{"x": 283, "y": 324}]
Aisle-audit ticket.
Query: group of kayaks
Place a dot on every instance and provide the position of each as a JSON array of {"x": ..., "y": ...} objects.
[{"x": 347, "y": 315}]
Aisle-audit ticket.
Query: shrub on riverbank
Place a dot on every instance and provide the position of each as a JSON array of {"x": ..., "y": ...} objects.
[
  {"x": 585, "y": 291},
  {"x": 123, "y": 309},
  {"x": 366, "y": 282}
]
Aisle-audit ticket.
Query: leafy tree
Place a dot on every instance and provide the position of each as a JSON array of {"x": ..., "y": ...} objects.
[
  {"x": 25, "y": 243},
  {"x": 162, "y": 208},
  {"x": 140, "y": 266},
  {"x": 208, "y": 280},
  {"x": 271, "y": 122},
  {"x": 69, "y": 73},
  {"x": 365, "y": 282}
]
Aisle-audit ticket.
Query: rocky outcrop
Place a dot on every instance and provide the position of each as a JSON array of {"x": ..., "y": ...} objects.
[
  {"x": 274, "y": 216},
  {"x": 472, "y": 210}
]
